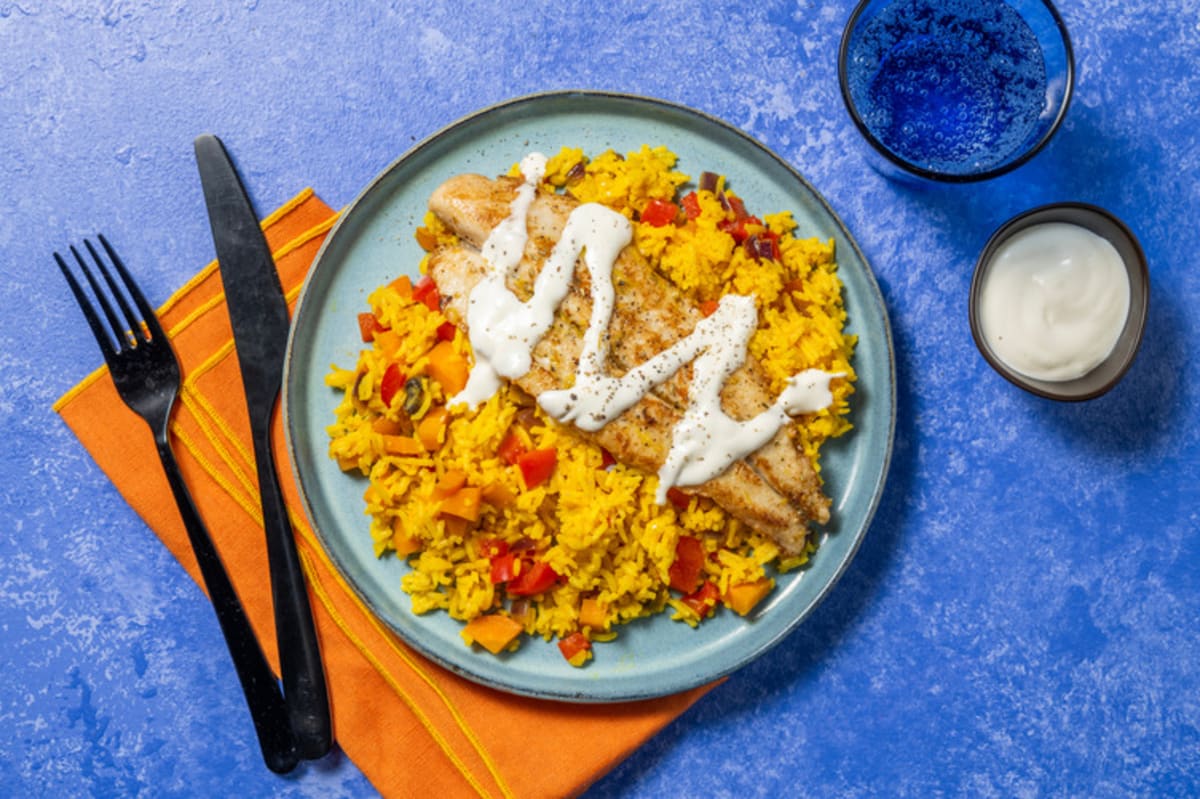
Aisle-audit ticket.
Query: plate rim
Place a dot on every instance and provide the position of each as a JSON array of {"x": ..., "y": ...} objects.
[{"x": 877, "y": 302}]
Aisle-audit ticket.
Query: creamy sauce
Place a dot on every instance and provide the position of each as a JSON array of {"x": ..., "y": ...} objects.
[
  {"x": 504, "y": 330},
  {"x": 1054, "y": 301}
]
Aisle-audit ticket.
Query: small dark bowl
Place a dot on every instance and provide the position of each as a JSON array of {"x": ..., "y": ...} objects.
[{"x": 1110, "y": 371}]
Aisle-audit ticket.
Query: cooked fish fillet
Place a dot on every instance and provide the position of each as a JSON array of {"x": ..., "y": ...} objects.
[
  {"x": 639, "y": 437},
  {"x": 775, "y": 490}
]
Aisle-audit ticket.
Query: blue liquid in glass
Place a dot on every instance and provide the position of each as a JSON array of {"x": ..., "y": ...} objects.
[{"x": 959, "y": 87}]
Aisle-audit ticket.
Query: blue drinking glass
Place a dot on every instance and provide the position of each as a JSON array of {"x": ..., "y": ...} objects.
[{"x": 955, "y": 90}]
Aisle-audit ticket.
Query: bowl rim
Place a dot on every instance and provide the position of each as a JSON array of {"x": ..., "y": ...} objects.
[
  {"x": 948, "y": 177},
  {"x": 1129, "y": 342}
]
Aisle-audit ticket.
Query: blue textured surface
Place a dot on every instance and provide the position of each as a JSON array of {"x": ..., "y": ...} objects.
[{"x": 1022, "y": 618}]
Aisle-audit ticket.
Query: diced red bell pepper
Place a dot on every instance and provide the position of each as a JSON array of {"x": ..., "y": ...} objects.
[
  {"x": 535, "y": 579},
  {"x": 738, "y": 227},
  {"x": 685, "y": 571},
  {"x": 511, "y": 448},
  {"x": 704, "y": 599},
  {"x": 678, "y": 498},
  {"x": 574, "y": 648},
  {"x": 537, "y": 465},
  {"x": 446, "y": 331},
  {"x": 493, "y": 547},
  {"x": 426, "y": 292},
  {"x": 659, "y": 213},
  {"x": 391, "y": 384},
  {"x": 691, "y": 205},
  {"x": 368, "y": 326},
  {"x": 504, "y": 567},
  {"x": 709, "y": 307},
  {"x": 606, "y": 458}
]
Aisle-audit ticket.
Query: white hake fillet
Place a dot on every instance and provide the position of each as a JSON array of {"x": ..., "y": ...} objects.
[{"x": 774, "y": 490}]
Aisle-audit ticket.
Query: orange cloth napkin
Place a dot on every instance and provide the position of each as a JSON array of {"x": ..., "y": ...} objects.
[{"x": 413, "y": 728}]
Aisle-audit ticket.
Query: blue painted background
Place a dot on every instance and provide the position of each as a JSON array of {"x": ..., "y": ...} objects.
[{"x": 1022, "y": 618}]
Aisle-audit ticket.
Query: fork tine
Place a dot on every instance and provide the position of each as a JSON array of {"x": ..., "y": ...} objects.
[
  {"x": 149, "y": 317},
  {"x": 135, "y": 325},
  {"x": 102, "y": 336},
  {"x": 118, "y": 330}
]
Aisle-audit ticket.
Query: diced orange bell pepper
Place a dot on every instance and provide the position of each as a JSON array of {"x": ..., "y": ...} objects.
[
  {"x": 456, "y": 527},
  {"x": 463, "y": 503},
  {"x": 593, "y": 613},
  {"x": 402, "y": 542},
  {"x": 426, "y": 239},
  {"x": 742, "y": 598},
  {"x": 449, "y": 483},
  {"x": 402, "y": 445},
  {"x": 387, "y": 427},
  {"x": 373, "y": 495},
  {"x": 494, "y": 632},
  {"x": 388, "y": 342},
  {"x": 432, "y": 427},
  {"x": 403, "y": 286},
  {"x": 448, "y": 367}
]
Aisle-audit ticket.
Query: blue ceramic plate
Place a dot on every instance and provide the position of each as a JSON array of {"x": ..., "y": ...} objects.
[{"x": 373, "y": 243}]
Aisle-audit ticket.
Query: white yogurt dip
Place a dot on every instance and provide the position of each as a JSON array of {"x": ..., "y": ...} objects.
[{"x": 1053, "y": 301}]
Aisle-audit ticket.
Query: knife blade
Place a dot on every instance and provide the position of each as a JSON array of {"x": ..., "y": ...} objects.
[{"x": 258, "y": 313}]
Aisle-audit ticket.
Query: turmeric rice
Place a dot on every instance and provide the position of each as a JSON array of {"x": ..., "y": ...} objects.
[{"x": 513, "y": 523}]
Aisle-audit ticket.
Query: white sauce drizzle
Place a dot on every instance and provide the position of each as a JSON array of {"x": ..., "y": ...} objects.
[{"x": 503, "y": 331}]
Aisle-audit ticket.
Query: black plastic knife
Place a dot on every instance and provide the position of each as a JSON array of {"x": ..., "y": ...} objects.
[{"x": 258, "y": 312}]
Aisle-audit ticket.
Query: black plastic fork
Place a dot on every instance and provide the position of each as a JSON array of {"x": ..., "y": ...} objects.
[{"x": 147, "y": 376}]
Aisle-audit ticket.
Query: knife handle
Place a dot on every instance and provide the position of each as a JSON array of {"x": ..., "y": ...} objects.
[{"x": 300, "y": 664}]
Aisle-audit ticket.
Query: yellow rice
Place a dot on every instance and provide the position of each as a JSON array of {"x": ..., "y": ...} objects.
[{"x": 600, "y": 528}]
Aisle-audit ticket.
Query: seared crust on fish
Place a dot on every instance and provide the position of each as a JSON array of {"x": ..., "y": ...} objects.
[{"x": 774, "y": 490}]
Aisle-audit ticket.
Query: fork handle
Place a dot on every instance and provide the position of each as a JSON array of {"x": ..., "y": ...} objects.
[
  {"x": 299, "y": 649},
  {"x": 267, "y": 707}
]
